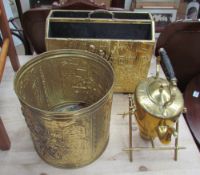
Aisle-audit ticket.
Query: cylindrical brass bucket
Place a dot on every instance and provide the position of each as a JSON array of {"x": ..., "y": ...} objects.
[{"x": 66, "y": 98}]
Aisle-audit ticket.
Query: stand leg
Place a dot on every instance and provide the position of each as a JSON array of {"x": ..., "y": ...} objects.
[
  {"x": 152, "y": 143},
  {"x": 130, "y": 128},
  {"x": 176, "y": 142}
]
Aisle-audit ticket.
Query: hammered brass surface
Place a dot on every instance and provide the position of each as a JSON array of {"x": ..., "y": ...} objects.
[
  {"x": 130, "y": 58},
  {"x": 64, "y": 136},
  {"x": 158, "y": 106}
]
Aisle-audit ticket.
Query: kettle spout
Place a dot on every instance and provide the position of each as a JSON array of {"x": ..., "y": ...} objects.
[{"x": 165, "y": 133}]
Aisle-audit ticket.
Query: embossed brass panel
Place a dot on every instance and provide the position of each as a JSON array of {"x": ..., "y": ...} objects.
[
  {"x": 67, "y": 105},
  {"x": 129, "y": 53}
]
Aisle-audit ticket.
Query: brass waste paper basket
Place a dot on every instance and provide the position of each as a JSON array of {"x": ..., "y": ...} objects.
[
  {"x": 66, "y": 98},
  {"x": 125, "y": 39}
]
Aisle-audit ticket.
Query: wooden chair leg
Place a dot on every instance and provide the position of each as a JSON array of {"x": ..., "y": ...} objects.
[
  {"x": 4, "y": 139},
  {"x": 5, "y": 30},
  {"x": 8, "y": 48},
  {"x": 27, "y": 46}
]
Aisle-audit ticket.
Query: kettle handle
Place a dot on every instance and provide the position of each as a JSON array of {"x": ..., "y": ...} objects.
[{"x": 167, "y": 63}]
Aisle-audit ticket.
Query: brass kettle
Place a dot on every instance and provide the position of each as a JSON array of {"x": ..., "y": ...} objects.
[{"x": 159, "y": 104}]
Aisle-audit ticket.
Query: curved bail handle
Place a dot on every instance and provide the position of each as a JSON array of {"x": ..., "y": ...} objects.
[
  {"x": 101, "y": 11},
  {"x": 167, "y": 63}
]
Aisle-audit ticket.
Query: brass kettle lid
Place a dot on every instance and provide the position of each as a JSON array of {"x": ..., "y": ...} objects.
[{"x": 159, "y": 98}]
